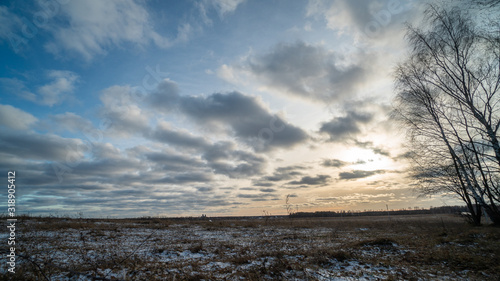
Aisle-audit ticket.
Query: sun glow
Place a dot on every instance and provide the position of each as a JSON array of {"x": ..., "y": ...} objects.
[{"x": 365, "y": 159}]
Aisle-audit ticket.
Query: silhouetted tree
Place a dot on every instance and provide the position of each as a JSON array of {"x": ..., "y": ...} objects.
[{"x": 448, "y": 100}]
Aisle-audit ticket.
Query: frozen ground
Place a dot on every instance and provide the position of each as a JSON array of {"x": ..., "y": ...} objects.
[{"x": 368, "y": 248}]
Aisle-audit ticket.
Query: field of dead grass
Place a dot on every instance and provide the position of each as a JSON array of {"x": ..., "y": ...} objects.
[{"x": 425, "y": 247}]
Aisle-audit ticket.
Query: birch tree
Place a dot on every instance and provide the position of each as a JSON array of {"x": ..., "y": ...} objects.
[{"x": 448, "y": 100}]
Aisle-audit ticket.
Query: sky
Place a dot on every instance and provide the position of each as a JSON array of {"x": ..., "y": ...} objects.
[{"x": 180, "y": 108}]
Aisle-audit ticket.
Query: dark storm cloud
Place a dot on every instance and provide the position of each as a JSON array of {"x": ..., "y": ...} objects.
[
  {"x": 336, "y": 163},
  {"x": 307, "y": 180},
  {"x": 358, "y": 174},
  {"x": 345, "y": 127},
  {"x": 307, "y": 71}
]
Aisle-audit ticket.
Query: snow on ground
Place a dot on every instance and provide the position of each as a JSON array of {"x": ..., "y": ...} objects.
[{"x": 204, "y": 250}]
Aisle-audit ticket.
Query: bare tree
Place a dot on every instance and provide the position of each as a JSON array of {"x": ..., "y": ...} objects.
[{"x": 448, "y": 100}]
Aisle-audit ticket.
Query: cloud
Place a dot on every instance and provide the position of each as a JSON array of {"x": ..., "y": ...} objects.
[
  {"x": 308, "y": 71},
  {"x": 307, "y": 180},
  {"x": 284, "y": 173},
  {"x": 244, "y": 116},
  {"x": 357, "y": 198},
  {"x": 185, "y": 178},
  {"x": 223, "y": 7},
  {"x": 107, "y": 170},
  {"x": 258, "y": 197},
  {"x": 63, "y": 82},
  {"x": 224, "y": 158},
  {"x": 92, "y": 27},
  {"x": 40, "y": 147},
  {"x": 345, "y": 127},
  {"x": 372, "y": 147},
  {"x": 204, "y": 189},
  {"x": 105, "y": 151},
  {"x": 341, "y": 14},
  {"x": 15, "y": 118},
  {"x": 405, "y": 156},
  {"x": 249, "y": 121},
  {"x": 166, "y": 134},
  {"x": 165, "y": 97},
  {"x": 264, "y": 184},
  {"x": 70, "y": 122},
  {"x": 171, "y": 161},
  {"x": 128, "y": 116},
  {"x": 359, "y": 174},
  {"x": 227, "y": 6},
  {"x": 364, "y": 20},
  {"x": 60, "y": 84},
  {"x": 123, "y": 112},
  {"x": 333, "y": 163},
  {"x": 17, "y": 87},
  {"x": 8, "y": 21}
]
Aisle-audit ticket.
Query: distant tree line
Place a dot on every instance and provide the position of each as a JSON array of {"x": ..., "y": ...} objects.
[{"x": 435, "y": 210}]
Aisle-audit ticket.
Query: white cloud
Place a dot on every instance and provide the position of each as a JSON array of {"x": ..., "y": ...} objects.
[
  {"x": 93, "y": 26},
  {"x": 15, "y": 118},
  {"x": 221, "y": 7},
  {"x": 121, "y": 109},
  {"x": 230, "y": 74},
  {"x": 63, "y": 82},
  {"x": 17, "y": 87},
  {"x": 60, "y": 83},
  {"x": 226, "y": 6},
  {"x": 375, "y": 19},
  {"x": 7, "y": 22},
  {"x": 303, "y": 70},
  {"x": 71, "y": 122}
]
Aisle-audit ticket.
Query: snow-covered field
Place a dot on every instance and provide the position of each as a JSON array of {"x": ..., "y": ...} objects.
[{"x": 367, "y": 248}]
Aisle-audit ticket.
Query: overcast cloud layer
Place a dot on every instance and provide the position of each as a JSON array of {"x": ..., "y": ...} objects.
[{"x": 133, "y": 108}]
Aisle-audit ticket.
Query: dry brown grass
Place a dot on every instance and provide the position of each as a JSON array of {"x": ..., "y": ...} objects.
[{"x": 395, "y": 248}]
